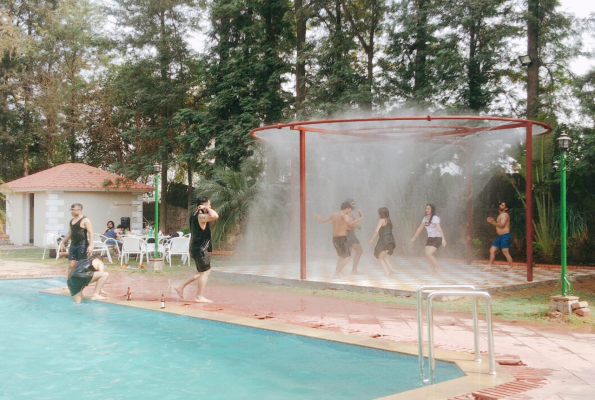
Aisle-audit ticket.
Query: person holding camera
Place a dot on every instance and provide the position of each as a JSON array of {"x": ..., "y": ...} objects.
[{"x": 200, "y": 246}]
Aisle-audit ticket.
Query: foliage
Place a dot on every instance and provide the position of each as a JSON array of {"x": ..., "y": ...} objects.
[
  {"x": 177, "y": 194},
  {"x": 231, "y": 194},
  {"x": 45, "y": 87},
  {"x": 71, "y": 90},
  {"x": 337, "y": 77},
  {"x": 245, "y": 72},
  {"x": 478, "y": 247}
]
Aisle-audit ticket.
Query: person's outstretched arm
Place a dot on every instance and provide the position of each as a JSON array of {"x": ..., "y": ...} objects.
[
  {"x": 320, "y": 219},
  {"x": 417, "y": 232},
  {"x": 381, "y": 223},
  {"x": 89, "y": 227},
  {"x": 355, "y": 221},
  {"x": 65, "y": 239}
]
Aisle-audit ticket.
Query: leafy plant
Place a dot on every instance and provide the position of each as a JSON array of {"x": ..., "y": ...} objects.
[{"x": 477, "y": 247}]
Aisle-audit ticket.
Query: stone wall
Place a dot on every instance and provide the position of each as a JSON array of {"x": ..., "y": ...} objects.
[{"x": 177, "y": 217}]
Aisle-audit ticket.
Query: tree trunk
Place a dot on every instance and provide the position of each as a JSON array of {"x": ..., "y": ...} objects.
[
  {"x": 420, "y": 47},
  {"x": 300, "y": 64},
  {"x": 190, "y": 187},
  {"x": 473, "y": 74},
  {"x": 532, "y": 48}
]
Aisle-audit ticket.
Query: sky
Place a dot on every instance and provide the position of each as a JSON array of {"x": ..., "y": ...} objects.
[{"x": 581, "y": 8}]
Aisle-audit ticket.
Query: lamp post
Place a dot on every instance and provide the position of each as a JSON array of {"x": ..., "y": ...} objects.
[
  {"x": 157, "y": 170},
  {"x": 564, "y": 159}
]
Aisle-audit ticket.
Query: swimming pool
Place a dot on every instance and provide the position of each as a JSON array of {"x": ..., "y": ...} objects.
[{"x": 53, "y": 349}]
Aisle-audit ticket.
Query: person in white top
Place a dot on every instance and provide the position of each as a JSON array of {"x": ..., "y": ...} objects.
[{"x": 435, "y": 236}]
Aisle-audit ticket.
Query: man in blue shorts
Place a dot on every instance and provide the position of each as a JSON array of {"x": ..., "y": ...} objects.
[{"x": 502, "y": 242}]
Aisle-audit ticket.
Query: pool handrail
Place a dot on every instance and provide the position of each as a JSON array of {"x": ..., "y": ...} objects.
[
  {"x": 420, "y": 291},
  {"x": 430, "y": 312}
]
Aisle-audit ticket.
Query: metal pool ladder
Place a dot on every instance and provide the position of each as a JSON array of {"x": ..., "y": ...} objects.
[{"x": 452, "y": 290}]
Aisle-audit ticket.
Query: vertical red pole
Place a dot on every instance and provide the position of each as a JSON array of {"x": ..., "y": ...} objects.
[
  {"x": 302, "y": 204},
  {"x": 294, "y": 190},
  {"x": 469, "y": 197},
  {"x": 529, "y": 200}
]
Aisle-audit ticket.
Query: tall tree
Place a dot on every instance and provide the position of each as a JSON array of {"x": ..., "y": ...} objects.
[
  {"x": 553, "y": 39},
  {"x": 481, "y": 33},
  {"x": 24, "y": 72},
  {"x": 365, "y": 19},
  {"x": 44, "y": 77},
  {"x": 155, "y": 80},
  {"x": 337, "y": 80},
  {"x": 415, "y": 57},
  {"x": 246, "y": 69}
]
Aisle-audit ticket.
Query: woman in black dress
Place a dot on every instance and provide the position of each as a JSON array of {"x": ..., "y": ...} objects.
[{"x": 386, "y": 241}]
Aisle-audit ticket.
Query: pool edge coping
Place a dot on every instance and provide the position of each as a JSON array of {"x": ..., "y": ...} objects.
[{"x": 476, "y": 373}]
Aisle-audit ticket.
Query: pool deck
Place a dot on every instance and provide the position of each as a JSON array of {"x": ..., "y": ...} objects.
[{"x": 537, "y": 361}]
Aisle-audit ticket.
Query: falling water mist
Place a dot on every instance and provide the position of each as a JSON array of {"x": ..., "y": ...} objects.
[{"x": 402, "y": 170}]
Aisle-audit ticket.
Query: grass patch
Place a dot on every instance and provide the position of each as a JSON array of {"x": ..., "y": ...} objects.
[{"x": 34, "y": 254}]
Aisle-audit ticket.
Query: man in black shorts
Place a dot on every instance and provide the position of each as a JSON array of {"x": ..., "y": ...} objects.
[
  {"x": 341, "y": 222},
  {"x": 84, "y": 273},
  {"x": 200, "y": 246},
  {"x": 353, "y": 241},
  {"x": 80, "y": 234}
]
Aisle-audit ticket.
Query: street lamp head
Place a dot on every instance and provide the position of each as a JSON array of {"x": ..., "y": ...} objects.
[
  {"x": 564, "y": 141},
  {"x": 157, "y": 168},
  {"x": 526, "y": 60}
]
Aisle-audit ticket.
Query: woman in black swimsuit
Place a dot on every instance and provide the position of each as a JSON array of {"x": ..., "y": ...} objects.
[{"x": 386, "y": 241}]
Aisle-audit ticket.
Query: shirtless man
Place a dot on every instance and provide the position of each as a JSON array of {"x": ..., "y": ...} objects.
[
  {"x": 80, "y": 231},
  {"x": 341, "y": 224},
  {"x": 353, "y": 241},
  {"x": 502, "y": 242}
]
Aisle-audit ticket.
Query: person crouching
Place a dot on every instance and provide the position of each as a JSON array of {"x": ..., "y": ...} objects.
[{"x": 85, "y": 272}]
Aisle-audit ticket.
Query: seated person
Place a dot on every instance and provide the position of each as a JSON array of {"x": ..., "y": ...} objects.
[
  {"x": 114, "y": 236},
  {"x": 91, "y": 270},
  {"x": 110, "y": 226}
]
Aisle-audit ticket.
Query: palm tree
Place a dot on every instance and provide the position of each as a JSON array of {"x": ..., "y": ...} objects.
[{"x": 231, "y": 194}]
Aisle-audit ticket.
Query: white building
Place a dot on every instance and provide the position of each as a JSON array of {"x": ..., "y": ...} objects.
[{"x": 40, "y": 203}]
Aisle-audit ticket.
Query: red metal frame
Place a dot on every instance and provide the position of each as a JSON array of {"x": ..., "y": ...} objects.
[{"x": 389, "y": 133}]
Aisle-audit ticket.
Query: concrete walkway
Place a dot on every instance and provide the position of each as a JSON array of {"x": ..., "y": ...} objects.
[
  {"x": 410, "y": 273},
  {"x": 560, "y": 361}
]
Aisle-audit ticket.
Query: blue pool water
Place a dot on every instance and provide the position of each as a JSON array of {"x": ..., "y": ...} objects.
[{"x": 53, "y": 349}]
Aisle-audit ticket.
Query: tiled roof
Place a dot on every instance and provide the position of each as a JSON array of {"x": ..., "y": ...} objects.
[{"x": 76, "y": 176}]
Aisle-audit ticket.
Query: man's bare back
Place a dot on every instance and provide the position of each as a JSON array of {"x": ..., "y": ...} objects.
[{"x": 340, "y": 221}]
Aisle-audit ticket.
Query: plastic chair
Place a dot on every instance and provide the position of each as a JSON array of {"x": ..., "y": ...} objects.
[
  {"x": 110, "y": 243},
  {"x": 51, "y": 241},
  {"x": 103, "y": 249},
  {"x": 180, "y": 246},
  {"x": 149, "y": 245},
  {"x": 132, "y": 245}
]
